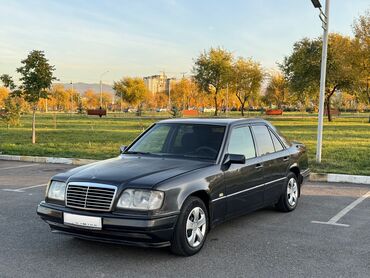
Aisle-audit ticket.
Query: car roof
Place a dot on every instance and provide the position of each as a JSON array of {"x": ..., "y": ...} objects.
[{"x": 211, "y": 121}]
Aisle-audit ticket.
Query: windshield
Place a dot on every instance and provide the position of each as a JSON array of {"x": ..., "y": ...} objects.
[{"x": 181, "y": 140}]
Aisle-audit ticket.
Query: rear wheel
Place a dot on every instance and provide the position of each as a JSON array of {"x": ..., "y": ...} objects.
[
  {"x": 191, "y": 228},
  {"x": 289, "y": 198}
]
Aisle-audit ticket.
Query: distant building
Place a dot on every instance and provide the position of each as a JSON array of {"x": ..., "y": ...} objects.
[{"x": 158, "y": 83}]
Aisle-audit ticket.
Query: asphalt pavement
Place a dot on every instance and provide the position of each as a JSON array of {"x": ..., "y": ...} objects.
[{"x": 328, "y": 235}]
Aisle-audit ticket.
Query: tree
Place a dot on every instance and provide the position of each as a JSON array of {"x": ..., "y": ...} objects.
[
  {"x": 302, "y": 67},
  {"x": 60, "y": 97},
  {"x": 12, "y": 110},
  {"x": 7, "y": 81},
  {"x": 212, "y": 71},
  {"x": 246, "y": 80},
  {"x": 132, "y": 90},
  {"x": 11, "y": 103},
  {"x": 183, "y": 93},
  {"x": 277, "y": 90},
  {"x": 4, "y": 93},
  {"x": 361, "y": 30},
  {"x": 106, "y": 99},
  {"x": 36, "y": 78},
  {"x": 91, "y": 99}
]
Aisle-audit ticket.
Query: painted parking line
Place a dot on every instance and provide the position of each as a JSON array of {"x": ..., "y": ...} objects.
[
  {"x": 20, "y": 166},
  {"x": 334, "y": 220},
  {"x": 22, "y": 189}
]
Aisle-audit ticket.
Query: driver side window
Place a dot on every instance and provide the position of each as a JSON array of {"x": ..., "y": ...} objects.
[{"x": 241, "y": 142}]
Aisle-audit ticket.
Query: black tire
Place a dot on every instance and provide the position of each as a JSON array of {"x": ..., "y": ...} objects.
[
  {"x": 180, "y": 245},
  {"x": 285, "y": 203}
]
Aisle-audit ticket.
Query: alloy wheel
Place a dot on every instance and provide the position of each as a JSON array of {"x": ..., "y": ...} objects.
[
  {"x": 292, "y": 192},
  {"x": 196, "y": 226}
]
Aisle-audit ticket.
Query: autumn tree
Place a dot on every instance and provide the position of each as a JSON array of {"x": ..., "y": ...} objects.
[
  {"x": 91, "y": 99},
  {"x": 361, "y": 30},
  {"x": 59, "y": 97},
  {"x": 212, "y": 71},
  {"x": 4, "y": 93},
  {"x": 36, "y": 79},
  {"x": 277, "y": 90},
  {"x": 132, "y": 90},
  {"x": 183, "y": 93},
  {"x": 302, "y": 67},
  {"x": 11, "y": 103},
  {"x": 246, "y": 80},
  {"x": 106, "y": 99}
]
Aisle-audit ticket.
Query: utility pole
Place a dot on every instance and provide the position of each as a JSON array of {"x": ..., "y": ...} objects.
[
  {"x": 121, "y": 100},
  {"x": 101, "y": 88},
  {"x": 169, "y": 94},
  {"x": 71, "y": 97},
  {"x": 324, "y": 17},
  {"x": 227, "y": 98}
]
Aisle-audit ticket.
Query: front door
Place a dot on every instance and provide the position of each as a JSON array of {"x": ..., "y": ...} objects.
[{"x": 243, "y": 190}]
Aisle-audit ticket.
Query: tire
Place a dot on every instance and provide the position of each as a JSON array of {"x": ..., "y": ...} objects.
[
  {"x": 191, "y": 228},
  {"x": 289, "y": 198}
]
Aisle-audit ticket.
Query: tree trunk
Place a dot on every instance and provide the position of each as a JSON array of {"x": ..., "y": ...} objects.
[
  {"x": 34, "y": 125},
  {"x": 216, "y": 108},
  {"x": 328, "y": 109},
  {"x": 242, "y": 108}
]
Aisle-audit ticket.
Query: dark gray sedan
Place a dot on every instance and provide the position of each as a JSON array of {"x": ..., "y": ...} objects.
[{"x": 176, "y": 181}]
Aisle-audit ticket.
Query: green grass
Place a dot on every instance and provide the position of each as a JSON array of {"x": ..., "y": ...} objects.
[{"x": 346, "y": 146}]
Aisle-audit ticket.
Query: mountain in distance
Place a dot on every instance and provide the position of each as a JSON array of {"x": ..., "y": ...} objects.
[{"x": 83, "y": 87}]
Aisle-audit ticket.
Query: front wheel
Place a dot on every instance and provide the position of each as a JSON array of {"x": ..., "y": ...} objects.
[
  {"x": 191, "y": 229},
  {"x": 289, "y": 198}
]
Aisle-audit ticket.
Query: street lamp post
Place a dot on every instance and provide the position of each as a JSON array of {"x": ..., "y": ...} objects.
[
  {"x": 324, "y": 17},
  {"x": 101, "y": 88},
  {"x": 71, "y": 97}
]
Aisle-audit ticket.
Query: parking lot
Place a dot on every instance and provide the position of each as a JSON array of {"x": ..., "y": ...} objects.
[{"x": 328, "y": 235}]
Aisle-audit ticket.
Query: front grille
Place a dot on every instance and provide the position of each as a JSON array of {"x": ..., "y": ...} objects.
[{"x": 90, "y": 196}]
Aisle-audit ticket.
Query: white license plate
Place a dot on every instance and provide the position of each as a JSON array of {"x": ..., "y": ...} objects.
[{"x": 89, "y": 222}]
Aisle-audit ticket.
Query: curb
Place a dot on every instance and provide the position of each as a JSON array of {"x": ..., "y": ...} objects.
[
  {"x": 41, "y": 159},
  {"x": 339, "y": 178},
  {"x": 77, "y": 161}
]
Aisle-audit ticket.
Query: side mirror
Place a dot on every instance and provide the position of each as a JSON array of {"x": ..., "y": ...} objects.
[
  {"x": 122, "y": 149},
  {"x": 234, "y": 159}
]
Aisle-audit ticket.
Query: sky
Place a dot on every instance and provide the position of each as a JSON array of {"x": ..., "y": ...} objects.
[{"x": 83, "y": 39}]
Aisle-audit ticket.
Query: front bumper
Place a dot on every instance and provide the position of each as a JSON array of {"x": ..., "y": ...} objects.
[{"x": 155, "y": 232}]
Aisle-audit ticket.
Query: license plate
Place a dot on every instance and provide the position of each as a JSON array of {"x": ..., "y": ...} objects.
[{"x": 89, "y": 222}]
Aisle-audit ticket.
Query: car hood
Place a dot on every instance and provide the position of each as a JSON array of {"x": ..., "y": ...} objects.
[{"x": 138, "y": 171}]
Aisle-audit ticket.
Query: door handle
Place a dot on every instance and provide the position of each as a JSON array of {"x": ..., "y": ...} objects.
[
  {"x": 286, "y": 158},
  {"x": 259, "y": 165}
]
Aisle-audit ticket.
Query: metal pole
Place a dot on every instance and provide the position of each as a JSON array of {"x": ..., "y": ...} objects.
[
  {"x": 72, "y": 97},
  {"x": 227, "y": 99},
  {"x": 101, "y": 88},
  {"x": 101, "y": 94},
  {"x": 322, "y": 82},
  {"x": 169, "y": 94},
  {"x": 121, "y": 100}
]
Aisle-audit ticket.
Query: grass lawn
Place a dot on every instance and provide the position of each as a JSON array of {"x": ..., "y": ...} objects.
[{"x": 346, "y": 147}]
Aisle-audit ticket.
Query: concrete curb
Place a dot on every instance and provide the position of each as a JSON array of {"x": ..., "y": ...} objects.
[
  {"x": 78, "y": 161},
  {"x": 41, "y": 159},
  {"x": 339, "y": 178}
]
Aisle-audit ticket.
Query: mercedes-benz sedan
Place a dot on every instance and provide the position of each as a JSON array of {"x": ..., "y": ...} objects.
[{"x": 176, "y": 181}]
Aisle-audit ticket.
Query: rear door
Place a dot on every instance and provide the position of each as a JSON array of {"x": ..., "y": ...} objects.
[
  {"x": 242, "y": 180},
  {"x": 274, "y": 159}
]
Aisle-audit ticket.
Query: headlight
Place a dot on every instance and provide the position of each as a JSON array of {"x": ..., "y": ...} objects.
[
  {"x": 56, "y": 190},
  {"x": 140, "y": 199}
]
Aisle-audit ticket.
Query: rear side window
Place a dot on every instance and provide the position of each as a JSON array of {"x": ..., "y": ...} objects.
[
  {"x": 277, "y": 144},
  {"x": 241, "y": 142},
  {"x": 263, "y": 139}
]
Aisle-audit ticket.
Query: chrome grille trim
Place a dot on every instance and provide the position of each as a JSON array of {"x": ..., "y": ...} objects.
[{"x": 90, "y": 196}]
